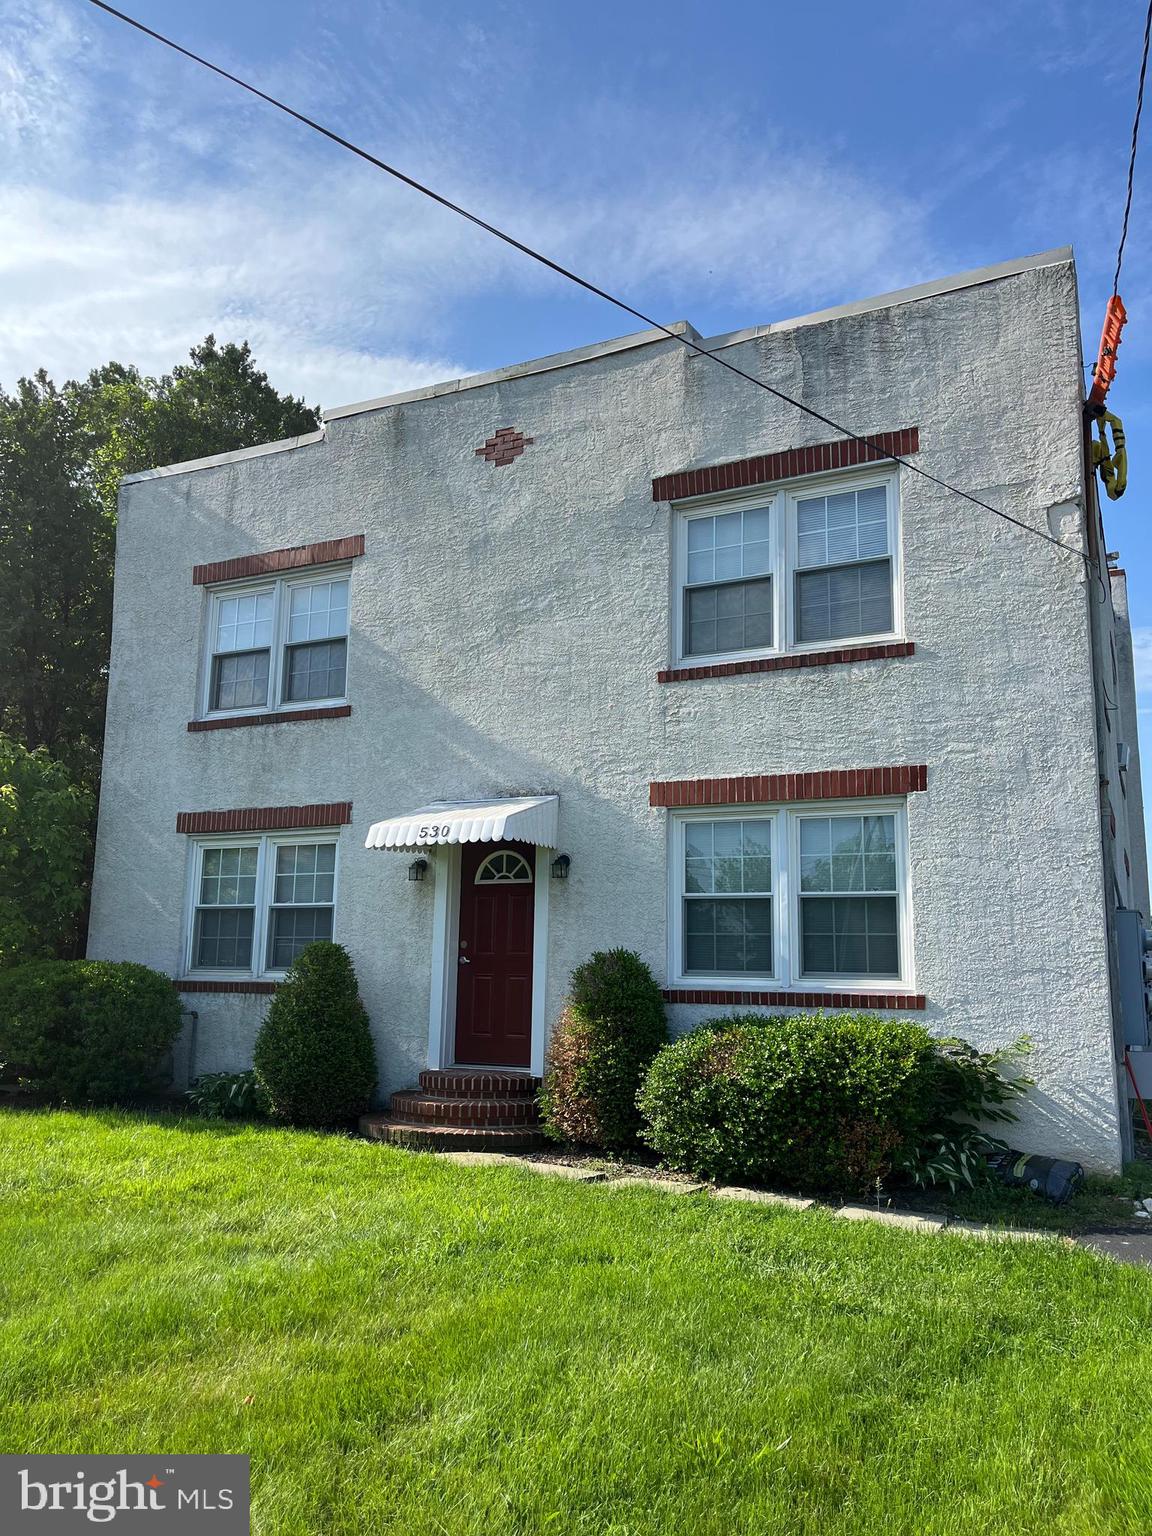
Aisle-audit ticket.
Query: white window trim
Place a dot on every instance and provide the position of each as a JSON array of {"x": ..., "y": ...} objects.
[
  {"x": 279, "y": 587},
  {"x": 780, "y": 497},
  {"x": 266, "y": 843},
  {"x": 786, "y": 975}
]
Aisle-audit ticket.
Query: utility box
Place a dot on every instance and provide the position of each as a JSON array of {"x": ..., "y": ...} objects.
[{"x": 1132, "y": 946}]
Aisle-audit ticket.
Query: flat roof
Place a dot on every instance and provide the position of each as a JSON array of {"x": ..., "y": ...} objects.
[{"x": 557, "y": 360}]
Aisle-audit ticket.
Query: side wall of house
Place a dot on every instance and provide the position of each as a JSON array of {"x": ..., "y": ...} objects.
[{"x": 508, "y": 624}]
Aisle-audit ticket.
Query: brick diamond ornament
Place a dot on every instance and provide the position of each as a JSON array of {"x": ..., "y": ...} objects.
[{"x": 505, "y": 444}]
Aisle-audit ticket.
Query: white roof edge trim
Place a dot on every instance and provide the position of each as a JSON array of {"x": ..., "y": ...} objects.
[
  {"x": 285, "y": 445},
  {"x": 547, "y": 364},
  {"x": 931, "y": 290},
  {"x": 527, "y": 819}
]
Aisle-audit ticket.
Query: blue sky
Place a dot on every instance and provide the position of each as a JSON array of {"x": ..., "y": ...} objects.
[{"x": 727, "y": 163}]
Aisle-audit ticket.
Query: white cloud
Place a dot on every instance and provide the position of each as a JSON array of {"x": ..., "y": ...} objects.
[{"x": 203, "y": 212}]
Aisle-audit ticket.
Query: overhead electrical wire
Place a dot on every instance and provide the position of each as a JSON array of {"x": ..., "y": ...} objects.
[
  {"x": 1132, "y": 151},
  {"x": 581, "y": 282}
]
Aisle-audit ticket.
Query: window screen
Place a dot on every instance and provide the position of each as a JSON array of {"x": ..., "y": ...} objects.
[
  {"x": 728, "y": 590},
  {"x": 316, "y": 656},
  {"x": 302, "y": 896},
  {"x": 241, "y": 649},
  {"x": 225, "y": 909},
  {"x": 844, "y": 567},
  {"x": 849, "y": 918},
  {"x": 728, "y": 897}
]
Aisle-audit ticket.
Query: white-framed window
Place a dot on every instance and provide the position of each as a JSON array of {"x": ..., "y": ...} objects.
[
  {"x": 791, "y": 896},
  {"x": 797, "y": 566},
  {"x": 277, "y": 644},
  {"x": 256, "y": 900}
]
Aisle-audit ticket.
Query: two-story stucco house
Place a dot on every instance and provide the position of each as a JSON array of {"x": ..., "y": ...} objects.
[{"x": 614, "y": 649}]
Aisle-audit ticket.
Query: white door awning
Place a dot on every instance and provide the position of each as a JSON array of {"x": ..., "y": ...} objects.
[{"x": 529, "y": 820}]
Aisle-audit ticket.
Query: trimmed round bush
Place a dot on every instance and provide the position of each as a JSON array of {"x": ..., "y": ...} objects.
[
  {"x": 314, "y": 1058},
  {"x": 817, "y": 1101},
  {"x": 609, "y": 1032},
  {"x": 88, "y": 1031}
]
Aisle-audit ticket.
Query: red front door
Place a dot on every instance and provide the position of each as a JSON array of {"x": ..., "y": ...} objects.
[{"x": 494, "y": 969}]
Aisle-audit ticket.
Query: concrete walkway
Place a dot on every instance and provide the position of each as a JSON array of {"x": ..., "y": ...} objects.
[{"x": 1127, "y": 1247}]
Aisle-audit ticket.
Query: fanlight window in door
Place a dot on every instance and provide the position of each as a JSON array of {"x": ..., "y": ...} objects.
[{"x": 506, "y": 868}]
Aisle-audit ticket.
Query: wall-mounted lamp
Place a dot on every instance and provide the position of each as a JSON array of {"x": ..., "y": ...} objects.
[
  {"x": 417, "y": 869},
  {"x": 560, "y": 865}
]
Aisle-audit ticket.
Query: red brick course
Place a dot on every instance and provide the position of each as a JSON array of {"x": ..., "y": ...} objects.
[
  {"x": 886, "y": 652},
  {"x": 768, "y": 467},
  {"x": 868, "y": 1000},
  {"x": 505, "y": 444},
  {"x": 272, "y": 717},
  {"x": 434, "y": 1109},
  {"x": 273, "y": 561},
  {"x": 477, "y": 1083},
  {"x": 779, "y": 788},
  {"x": 266, "y": 818}
]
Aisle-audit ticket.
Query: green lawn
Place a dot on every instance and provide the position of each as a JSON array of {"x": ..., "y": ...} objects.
[{"x": 407, "y": 1346}]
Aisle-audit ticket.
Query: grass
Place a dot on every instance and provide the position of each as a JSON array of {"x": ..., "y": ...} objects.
[
  {"x": 1098, "y": 1203},
  {"x": 406, "y": 1346}
]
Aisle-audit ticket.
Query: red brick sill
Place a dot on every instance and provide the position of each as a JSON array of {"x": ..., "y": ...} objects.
[
  {"x": 787, "y": 663},
  {"x": 189, "y": 984},
  {"x": 865, "y": 1000},
  {"x": 271, "y": 717}
]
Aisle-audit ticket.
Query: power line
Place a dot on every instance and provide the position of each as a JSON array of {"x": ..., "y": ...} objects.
[
  {"x": 1132, "y": 152},
  {"x": 581, "y": 282}
]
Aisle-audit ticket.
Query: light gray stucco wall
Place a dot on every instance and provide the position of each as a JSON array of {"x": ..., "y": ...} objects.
[{"x": 508, "y": 625}]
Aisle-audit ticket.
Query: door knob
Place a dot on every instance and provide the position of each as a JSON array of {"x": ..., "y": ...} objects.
[{"x": 464, "y": 960}]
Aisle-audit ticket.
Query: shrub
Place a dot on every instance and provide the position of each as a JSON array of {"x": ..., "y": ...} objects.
[
  {"x": 609, "y": 1032},
  {"x": 971, "y": 1085},
  {"x": 88, "y": 1031},
  {"x": 817, "y": 1102},
  {"x": 227, "y": 1096},
  {"x": 314, "y": 1056}
]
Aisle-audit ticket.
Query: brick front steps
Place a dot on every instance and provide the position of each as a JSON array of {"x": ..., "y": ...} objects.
[{"x": 465, "y": 1108}]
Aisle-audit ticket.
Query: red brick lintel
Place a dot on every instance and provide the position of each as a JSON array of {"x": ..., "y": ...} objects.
[
  {"x": 190, "y": 984},
  {"x": 275, "y": 560},
  {"x": 888, "y": 1001},
  {"x": 766, "y": 468},
  {"x": 848, "y": 653},
  {"x": 271, "y": 717},
  {"x": 777, "y": 788},
  {"x": 266, "y": 818}
]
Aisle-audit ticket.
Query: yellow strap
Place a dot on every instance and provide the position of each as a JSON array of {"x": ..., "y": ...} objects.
[{"x": 1113, "y": 466}]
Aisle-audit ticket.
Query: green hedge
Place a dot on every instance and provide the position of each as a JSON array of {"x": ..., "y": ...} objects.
[
  {"x": 818, "y": 1101},
  {"x": 611, "y": 1029},
  {"x": 87, "y": 1031}
]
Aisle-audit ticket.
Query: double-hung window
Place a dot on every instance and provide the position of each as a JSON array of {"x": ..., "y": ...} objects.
[
  {"x": 279, "y": 644},
  {"x": 791, "y": 568},
  {"x": 258, "y": 900},
  {"x": 791, "y": 896}
]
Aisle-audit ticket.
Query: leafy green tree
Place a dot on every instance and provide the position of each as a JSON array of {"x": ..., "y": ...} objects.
[
  {"x": 45, "y": 845},
  {"x": 215, "y": 403},
  {"x": 62, "y": 455},
  {"x": 56, "y": 544}
]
